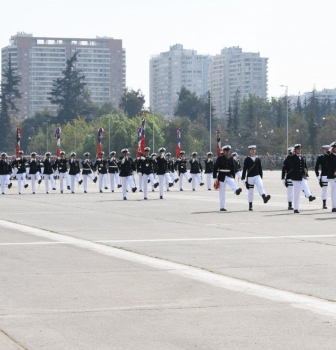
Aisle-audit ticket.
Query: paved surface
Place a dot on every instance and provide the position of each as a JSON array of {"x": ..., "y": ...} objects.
[{"x": 91, "y": 271}]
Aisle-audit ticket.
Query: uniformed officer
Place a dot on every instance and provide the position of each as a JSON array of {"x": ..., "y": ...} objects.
[
  {"x": 209, "y": 166},
  {"x": 322, "y": 161},
  {"x": 154, "y": 183},
  {"x": 127, "y": 167},
  {"x": 224, "y": 172},
  {"x": 146, "y": 165},
  {"x": 101, "y": 166},
  {"x": 181, "y": 166},
  {"x": 21, "y": 173},
  {"x": 138, "y": 164},
  {"x": 237, "y": 165},
  {"x": 5, "y": 170},
  {"x": 87, "y": 171},
  {"x": 286, "y": 177},
  {"x": 195, "y": 171},
  {"x": 34, "y": 171},
  {"x": 61, "y": 165},
  {"x": 113, "y": 169},
  {"x": 74, "y": 172},
  {"x": 48, "y": 172},
  {"x": 253, "y": 173},
  {"x": 332, "y": 175},
  {"x": 171, "y": 170},
  {"x": 162, "y": 171},
  {"x": 299, "y": 176}
]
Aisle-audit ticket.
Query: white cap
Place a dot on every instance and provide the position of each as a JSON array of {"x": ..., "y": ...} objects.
[
  {"x": 226, "y": 147},
  {"x": 162, "y": 149},
  {"x": 297, "y": 145},
  {"x": 124, "y": 150},
  {"x": 252, "y": 146}
]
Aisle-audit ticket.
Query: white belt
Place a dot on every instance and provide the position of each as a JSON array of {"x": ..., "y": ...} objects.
[
  {"x": 224, "y": 171},
  {"x": 113, "y": 166}
]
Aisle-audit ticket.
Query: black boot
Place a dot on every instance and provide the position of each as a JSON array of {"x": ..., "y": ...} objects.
[
  {"x": 290, "y": 207},
  {"x": 324, "y": 204},
  {"x": 266, "y": 198},
  {"x": 311, "y": 198},
  {"x": 250, "y": 206}
]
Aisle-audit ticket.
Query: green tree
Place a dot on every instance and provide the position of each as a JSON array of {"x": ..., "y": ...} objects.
[
  {"x": 9, "y": 95},
  {"x": 132, "y": 102},
  {"x": 69, "y": 92}
]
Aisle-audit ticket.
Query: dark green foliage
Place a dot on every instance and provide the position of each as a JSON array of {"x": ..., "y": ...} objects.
[{"x": 132, "y": 102}]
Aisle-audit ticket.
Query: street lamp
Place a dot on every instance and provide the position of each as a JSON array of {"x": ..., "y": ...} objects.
[
  {"x": 209, "y": 97},
  {"x": 286, "y": 86}
]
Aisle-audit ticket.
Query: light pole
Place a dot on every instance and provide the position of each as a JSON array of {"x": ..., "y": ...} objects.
[
  {"x": 210, "y": 119},
  {"x": 109, "y": 134},
  {"x": 286, "y": 86},
  {"x": 153, "y": 132},
  {"x": 47, "y": 134}
]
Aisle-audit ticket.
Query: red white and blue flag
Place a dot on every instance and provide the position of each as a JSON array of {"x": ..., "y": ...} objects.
[
  {"x": 178, "y": 142},
  {"x": 99, "y": 142},
  {"x": 58, "y": 139},
  {"x": 219, "y": 144},
  {"x": 141, "y": 144},
  {"x": 18, "y": 139}
]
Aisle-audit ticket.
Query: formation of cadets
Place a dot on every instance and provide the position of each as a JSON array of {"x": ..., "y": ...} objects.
[{"x": 159, "y": 170}]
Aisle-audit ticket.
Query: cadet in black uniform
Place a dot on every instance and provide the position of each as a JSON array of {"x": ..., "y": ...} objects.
[
  {"x": 322, "y": 161},
  {"x": 299, "y": 177},
  {"x": 101, "y": 166},
  {"x": 34, "y": 171},
  {"x": 87, "y": 171},
  {"x": 237, "y": 165},
  {"x": 127, "y": 167},
  {"x": 181, "y": 167},
  {"x": 252, "y": 171},
  {"x": 146, "y": 164},
  {"x": 171, "y": 170},
  {"x": 286, "y": 177},
  {"x": 48, "y": 172},
  {"x": 195, "y": 171},
  {"x": 224, "y": 172},
  {"x": 74, "y": 172},
  {"x": 20, "y": 164},
  {"x": 61, "y": 166},
  {"x": 209, "y": 166},
  {"x": 5, "y": 170},
  {"x": 332, "y": 175},
  {"x": 162, "y": 170},
  {"x": 138, "y": 164},
  {"x": 113, "y": 169}
]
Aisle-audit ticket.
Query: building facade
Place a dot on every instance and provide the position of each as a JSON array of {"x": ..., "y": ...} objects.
[
  {"x": 234, "y": 70},
  {"x": 171, "y": 70},
  {"x": 40, "y": 61}
]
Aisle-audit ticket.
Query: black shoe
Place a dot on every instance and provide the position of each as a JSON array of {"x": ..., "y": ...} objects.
[
  {"x": 153, "y": 190},
  {"x": 101, "y": 191},
  {"x": 168, "y": 190},
  {"x": 95, "y": 179},
  {"x": 46, "y": 193},
  {"x": 181, "y": 189},
  {"x": 126, "y": 190},
  {"x": 209, "y": 189},
  {"x": 134, "y": 189},
  {"x": 238, "y": 191},
  {"x": 296, "y": 212},
  {"x": 80, "y": 182},
  {"x": 19, "y": 192},
  {"x": 106, "y": 188},
  {"x": 33, "y": 192},
  {"x": 324, "y": 204},
  {"x": 3, "y": 192},
  {"x": 290, "y": 206},
  {"x": 73, "y": 192},
  {"x": 25, "y": 186},
  {"x": 85, "y": 191},
  {"x": 10, "y": 185},
  {"x": 140, "y": 191},
  {"x": 125, "y": 199},
  {"x": 202, "y": 184},
  {"x": 61, "y": 191},
  {"x": 161, "y": 197},
  {"x": 112, "y": 191},
  {"x": 333, "y": 210},
  {"x": 68, "y": 188},
  {"x": 156, "y": 185},
  {"x": 222, "y": 209},
  {"x": 148, "y": 181},
  {"x": 54, "y": 189},
  {"x": 171, "y": 184},
  {"x": 176, "y": 180},
  {"x": 250, "y": 207},
  {"x": 190, "y": 180},
  {"x": 266, "y": 198},
  {"x": 145, "y": 198},
  {"x": 39, "y": 182},
  {"x": 193, "y": 189},
  {"x": 119, "y": 186},
  {"x": 311, "y": 198}
]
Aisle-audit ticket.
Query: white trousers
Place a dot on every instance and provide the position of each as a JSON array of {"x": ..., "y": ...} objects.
[
  {"x": 186, "y": 175},
  {"x": 74, "y": 178},
  {"x": 162, "y": 179},
  {"x": 195, "y": 177},
  {"x": 7, "y": 179},
  {"x": 20, "y": 178},
  {"x": 145, "y": 178},
  {"x": 140, "y": 181},
  {"x": 305, "y": 188},
  {"x": 289, "y": 191},
  {"x": 208, "y": 180},
  {"x": 239, "y": 174},
  {"x": 173, "y": 176},
  {"x": 168, "y": 180},
  {"x": 63, "y": 176},
  {"x": 85, "y": 180},
  {"x": 34, "y": 178},
  {"x": 46, "y": 181},
  {"x": 102, "y": 180},
  {"x": 324, "y": 191},
  {"x": 255, "y": 180},
  {"x": 125, "y": 181},
  {"x": 296, "y": 190},
  {"x": 333, "y": 192},
  {"x": 3, "y": 183},
  {"x": 222, "y": 188},
  {"x": 114, "y": 177}
]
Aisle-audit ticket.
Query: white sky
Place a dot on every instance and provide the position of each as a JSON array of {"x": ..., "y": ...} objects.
[{"x": 298, "y": 36}]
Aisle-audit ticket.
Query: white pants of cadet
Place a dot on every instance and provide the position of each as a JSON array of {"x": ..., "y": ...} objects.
[
  {"x": 297, "y": 187},
  {"x": 173, "y": 176},
  {"x": 63, "y": 176},
  {"x": 20, "y": 178},
  {"x": 255, "y": 180},
  {"x": 195, "y": 177},
  {"x": 305, "y": 188},
  {"x": 186, "y": 175},
  {"x": 74, "y": 178},
  {"x": 222, "y": 188},
  {"x": 145, "y": 178},
  {"x": 7, "y": 179},
  {"x": 46, "y": 181},
  {"x": 3, "y": 183},
  {"x": 126, "y": 180},
  {"x": 14, "y": 172},
  {"x": 114, "y": 177},
  {"x": 85, "y": 180},
  {"x": 168, "y": 180},
  {"x": 140, "y": 181},
  {"x": 102, "y": 180},
  {"x": 333, "y": 192},
  {"x": 34, "y": 178},
  {"x": 208, "y": 180},
  {"x": 289, "y": 191},
  {"x": 162, "y": 179},
  {"x": 324, "y": 192},
  {"x": 239, "y": 174}
]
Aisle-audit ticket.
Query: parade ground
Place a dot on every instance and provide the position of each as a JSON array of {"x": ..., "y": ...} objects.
[{"x": 92, "y": 271}]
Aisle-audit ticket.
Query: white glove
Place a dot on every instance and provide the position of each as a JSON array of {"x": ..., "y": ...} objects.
[
  {"x": 142, "y": 158},
  {"x": 284, "y": 182}
]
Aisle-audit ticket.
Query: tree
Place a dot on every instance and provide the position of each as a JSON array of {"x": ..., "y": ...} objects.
[
  {"x": 69, "y": 92},
  {"x": 132, "y": 102},
  {"x": 9, "y": 95},
  {"x": 235, "y": 116}
]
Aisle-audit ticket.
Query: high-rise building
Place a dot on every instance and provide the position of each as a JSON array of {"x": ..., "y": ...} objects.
[
  {"x": 171, "y": 70},
  {"x": 234, "y": 70},
  {"x": 40, "y": 60}
]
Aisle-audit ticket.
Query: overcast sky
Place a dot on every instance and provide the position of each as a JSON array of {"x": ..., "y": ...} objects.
[{"x": 298, "y": 36}]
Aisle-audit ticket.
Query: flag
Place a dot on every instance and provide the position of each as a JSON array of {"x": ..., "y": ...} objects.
[
  {"x": 99, "y": 142},
  {"x": 58, "y": 139},
  {"x": 219, "y": 145},
  {"x": 141, "y": 143},
  {"x": 18, "y": 139},
  {"x": 178, "y": 142}
]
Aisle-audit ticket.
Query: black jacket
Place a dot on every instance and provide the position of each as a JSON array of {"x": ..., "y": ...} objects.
[
  {"x": 113, "y": 166},
  {"x": 170, "y": 165},
  {"x": 127, "y": 166},
  {"x": 181, "y": 165},
  {"x": 332, "y": 166},
  {"x": 61, "y": 165},
  {"x": 34, "y": 166},
  {"x": 146, "y": 165},
  {"x": 20, "y": 164},
  {"x": 224, "y": 167},
  {"x": 5, "y": 167},
  {"x": 299, "y": 167},
  {"x": 162, "y": 166},
  {"x": 74, "y": 167},
  {"x": 87, "y": 167},
  {"x": 322, "y": 161},
  {"x": 287, "y": 168},
  {"x": 100, "y": 165},
  {"x": 209, "y": 166},
  {"x": 48, "y": 166},
  {"x": 252, "y": 167}
]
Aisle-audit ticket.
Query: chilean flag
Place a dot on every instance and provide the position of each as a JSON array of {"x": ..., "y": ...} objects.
[
  {"x": 141, "y": 144},
  {"x": 99, "y": 142},
  {"x": 58, "y": 139},
  {"x": 178, "y": 142},
  {"x": 219, "y": 144},
  {"x": 18, "y": 139}
]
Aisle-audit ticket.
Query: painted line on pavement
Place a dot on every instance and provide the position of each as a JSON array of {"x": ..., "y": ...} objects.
[{"x": 316, "y": 305}]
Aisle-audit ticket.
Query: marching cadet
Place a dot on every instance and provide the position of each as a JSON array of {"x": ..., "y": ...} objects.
[
  {"x": 100, "y": 165},
  {"x": 299, "y": 177},
  {"x": 162, "y": 171},
  {"x": 126, "y": 172},
  {"x": 74, "y": 172},
  {"x": 181, "y": 166},
  {"x": 113, "y": 169},
  {"x": 195, "y": 171},
  {"x": 253, "y": 173},
  {"x": 171, "y": 170},
  {"x": 147, "y": 170},
  {"x": 224, "y": 172},
  {"x": 209, "y": 166},
  {"x": 5, "y": 170},
  {"x": 237, "y": 165},
  {"x": 138, "y": 164},
  {"x": 48, "y": 172},
  {"x": 20, "y": 164},
  {"x": 286, "y": 177},
  {"x": 154, "y": 171},
  {"x": 61, "y": 165},
  {"x": 34, "y": 171},
  {"x": 332, "y": 175},
  {"x": 87, "y": 171},
  {"x": 322, "y": 161}
]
